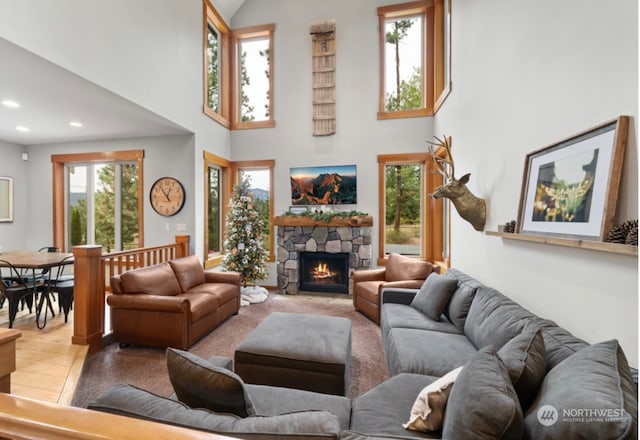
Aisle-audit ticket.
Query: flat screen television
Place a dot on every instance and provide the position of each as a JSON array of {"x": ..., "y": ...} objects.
[{"x": 326, "y": 185}]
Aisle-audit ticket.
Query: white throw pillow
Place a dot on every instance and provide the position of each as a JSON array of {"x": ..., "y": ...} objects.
[{"x": 427, "y": 412}]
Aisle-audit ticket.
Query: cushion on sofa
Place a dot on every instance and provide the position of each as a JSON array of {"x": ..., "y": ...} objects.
[
  {"x": 400, "y": 267},
  {"x": 127, "y": 400},
  {"x": 158, "y": 279},
  {"x": 559, "y": 343},
  {"x": 189, "y": 271},
  {"x": 383, "y": 409},
  {"x": 401, "y": 316},
  {"x": 433, "y": 296},
  {"x": 425, "y": 352},
  {"x": 588, "y": 395},
  {"x": 427, "y": 412},
  {"x": 524, "y": 357},
  {"x": 462, "y": 297},
  {"x": 494, "y": 319},
  {"x": 200, "y": 384},
  {"x": 483, "y": 403}
]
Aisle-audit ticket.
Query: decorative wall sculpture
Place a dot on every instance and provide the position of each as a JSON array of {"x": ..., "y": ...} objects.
[{"x": 323, "y": 36}]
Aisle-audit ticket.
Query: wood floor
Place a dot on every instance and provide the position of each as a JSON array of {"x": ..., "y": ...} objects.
[{"x": 48, "y": 366}]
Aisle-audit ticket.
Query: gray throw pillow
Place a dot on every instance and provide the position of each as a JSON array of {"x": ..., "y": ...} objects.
[
  {"x": 588, "y": 395},
  {"x": 525, "y": 358},
  {"x": 483, "y": 404},
  {"x": 200, "y": 384},
  {"x": 434, "y": 295}
]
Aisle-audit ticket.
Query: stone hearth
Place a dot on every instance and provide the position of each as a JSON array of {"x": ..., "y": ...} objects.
[{"x": 353, "y": 238}]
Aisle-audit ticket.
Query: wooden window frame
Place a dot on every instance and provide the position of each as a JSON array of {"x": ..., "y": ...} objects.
[
  {"x": 238, "y": 166},
  {"x": 433, "y": 240},
  {"x": 59, "y": 161},
  {"x": 239, "y": 35},
  {"x": 211, "y": 16},
  {"x": 211, "y": 159},
  {"x": 436, "y": 16}
]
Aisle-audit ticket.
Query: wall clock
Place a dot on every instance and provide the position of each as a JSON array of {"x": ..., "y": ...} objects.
[{"x": 167, "y": 196}]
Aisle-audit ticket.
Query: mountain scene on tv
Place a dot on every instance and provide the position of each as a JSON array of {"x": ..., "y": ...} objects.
[{"x": 324, "y": 185}]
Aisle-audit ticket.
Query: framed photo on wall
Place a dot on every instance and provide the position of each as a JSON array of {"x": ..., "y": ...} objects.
[
  {"x": 6, "y": 199},
  {"x": 570, "y": 189}
]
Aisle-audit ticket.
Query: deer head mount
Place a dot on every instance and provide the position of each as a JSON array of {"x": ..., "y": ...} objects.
[{"x": 470, "y": 207}]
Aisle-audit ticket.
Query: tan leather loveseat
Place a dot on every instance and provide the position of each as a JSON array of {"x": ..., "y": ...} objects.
[
  {"x": 400, "y": 272},
  {"x": 171, "y": 304}
]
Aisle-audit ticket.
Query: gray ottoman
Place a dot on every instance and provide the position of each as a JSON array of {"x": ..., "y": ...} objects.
[{"x": 295, "y": 350}]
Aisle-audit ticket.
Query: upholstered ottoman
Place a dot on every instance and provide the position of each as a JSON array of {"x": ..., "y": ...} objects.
[{"x": 294, "y": 350}]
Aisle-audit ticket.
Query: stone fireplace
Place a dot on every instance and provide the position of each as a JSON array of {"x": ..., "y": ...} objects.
[{"x": 297, "y": 235}]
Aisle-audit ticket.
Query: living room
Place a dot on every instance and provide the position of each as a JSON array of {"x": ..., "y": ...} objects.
[{"x": 523, "y": 76}]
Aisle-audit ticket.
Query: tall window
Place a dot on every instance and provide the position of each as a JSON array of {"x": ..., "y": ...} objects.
[
  {"x": 217, "y": 79},
  {"x": 412, "y": 58},
  {"x": 413, "y": 224},
  {"x": 261, "y": 175},
  {"x": 102, "y": 205},
  {"x": 98, "y": 199},
  {"x": 217, "y": 185},
  {"x": 254, "y": 73}
]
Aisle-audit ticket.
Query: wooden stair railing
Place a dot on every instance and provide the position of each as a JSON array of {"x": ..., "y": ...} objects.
[
  {"x": 22, "y": 418},
  {"x": 92, "y": 271}
]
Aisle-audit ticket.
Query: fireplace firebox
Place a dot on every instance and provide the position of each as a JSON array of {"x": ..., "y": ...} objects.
[{"x": 324, "y": 272}]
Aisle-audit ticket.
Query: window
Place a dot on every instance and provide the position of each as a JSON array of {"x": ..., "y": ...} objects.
[
  {"x": 98, "y": 200},
  {"x": 216, "y": 66},
  {"x": 254, "y": 72},
  {"x": 413, "y": 62},
  {"x": 261, "y": 175},
  {"x": 217, "y": 192},
  {"x": 411, "y": 222}
]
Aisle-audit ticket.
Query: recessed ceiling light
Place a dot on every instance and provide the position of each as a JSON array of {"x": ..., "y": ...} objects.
[
  {"x": 75, "y": 124},
  {"x": 10, "y": 103},
  {"x": 22, "y": 128}
]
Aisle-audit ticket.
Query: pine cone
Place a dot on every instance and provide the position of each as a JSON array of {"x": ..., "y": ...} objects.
[
  {"x": 629, "y": 225},
  {"x": 632, "y": 237},
  {"x": 617, "y": 235},
  {"x": 510, "y": 226}
]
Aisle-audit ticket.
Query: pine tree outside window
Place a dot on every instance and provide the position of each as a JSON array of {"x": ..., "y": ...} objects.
[{"x": 253, "y": 105}]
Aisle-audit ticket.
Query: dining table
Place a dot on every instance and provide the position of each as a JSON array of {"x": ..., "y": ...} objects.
[{"x": 34, "y": 261}]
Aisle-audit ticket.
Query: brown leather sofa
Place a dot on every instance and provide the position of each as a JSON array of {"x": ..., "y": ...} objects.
[
  {"x": 400, "y": 271},
  {"x": 171, "y": 304}
]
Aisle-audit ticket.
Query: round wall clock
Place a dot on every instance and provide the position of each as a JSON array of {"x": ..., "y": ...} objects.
[{"x": 167, "y": 196}]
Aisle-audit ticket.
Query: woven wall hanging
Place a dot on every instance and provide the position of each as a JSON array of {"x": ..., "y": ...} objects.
[{"x": 323, "y": 35}]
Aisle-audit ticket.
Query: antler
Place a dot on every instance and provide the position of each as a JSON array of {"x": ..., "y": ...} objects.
[{"x": 444, "y": 164}]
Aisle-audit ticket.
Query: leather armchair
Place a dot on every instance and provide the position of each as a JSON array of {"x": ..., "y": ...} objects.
[{"x": 400, "y": 271}]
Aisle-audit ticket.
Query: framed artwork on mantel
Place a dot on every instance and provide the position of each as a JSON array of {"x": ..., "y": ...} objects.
[
  {"x": 6, "y": 199},
  {"x": 570, "y": 189}
]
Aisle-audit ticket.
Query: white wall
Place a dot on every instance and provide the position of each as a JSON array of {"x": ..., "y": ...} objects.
[
  {"x": 359, "y": 137},
  {"x": 527, "y": 75},
  {"x": 148, "y": 51},
  {"x": 12, "y": 165}
]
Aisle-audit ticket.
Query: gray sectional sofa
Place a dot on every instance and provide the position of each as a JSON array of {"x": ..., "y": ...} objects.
[{"x": 523, "y": 377}]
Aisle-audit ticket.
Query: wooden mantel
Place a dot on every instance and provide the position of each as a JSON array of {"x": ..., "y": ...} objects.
[{"x": 300, "y": 220}]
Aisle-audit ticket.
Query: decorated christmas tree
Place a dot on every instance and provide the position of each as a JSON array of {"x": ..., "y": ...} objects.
[{"x": 243, "y": 246}]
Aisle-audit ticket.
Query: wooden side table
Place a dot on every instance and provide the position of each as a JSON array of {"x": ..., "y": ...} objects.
[{"x": 7, "y": 357}]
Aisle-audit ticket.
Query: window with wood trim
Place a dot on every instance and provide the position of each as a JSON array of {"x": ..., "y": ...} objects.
[
  {"x": 413, "y": 39},
  {"x": 217, "y": 78},
  {"x": 98, "y": 199},
  {"x": 253, "y": 78},
  {"x": 261, "y": 174},
  {"x": 411, "y": 223},
  {"x": 217, "y": 179}
]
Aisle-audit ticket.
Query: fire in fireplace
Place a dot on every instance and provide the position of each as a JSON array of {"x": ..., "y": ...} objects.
[{"x": 324, "y": 272}]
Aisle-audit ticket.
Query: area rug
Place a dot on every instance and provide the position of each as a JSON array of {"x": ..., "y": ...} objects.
[{"x": 146, "y": 367}]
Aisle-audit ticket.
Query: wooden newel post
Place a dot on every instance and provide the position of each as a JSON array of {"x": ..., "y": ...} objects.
[
  {"x": 88, "y": 293},
  {"x": 184, "y": 250}
]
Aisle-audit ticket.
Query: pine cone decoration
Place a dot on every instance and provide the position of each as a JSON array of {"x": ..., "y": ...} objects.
[
  {"x": 624, "y": 233},
  {"x": 510, "y": 226},
  {"x": 632, "y": 237}
]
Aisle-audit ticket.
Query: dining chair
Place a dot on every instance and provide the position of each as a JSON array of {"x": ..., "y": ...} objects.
[
  {"x": 15, "y": 289},
  {"x": 63, "y": 285}
]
